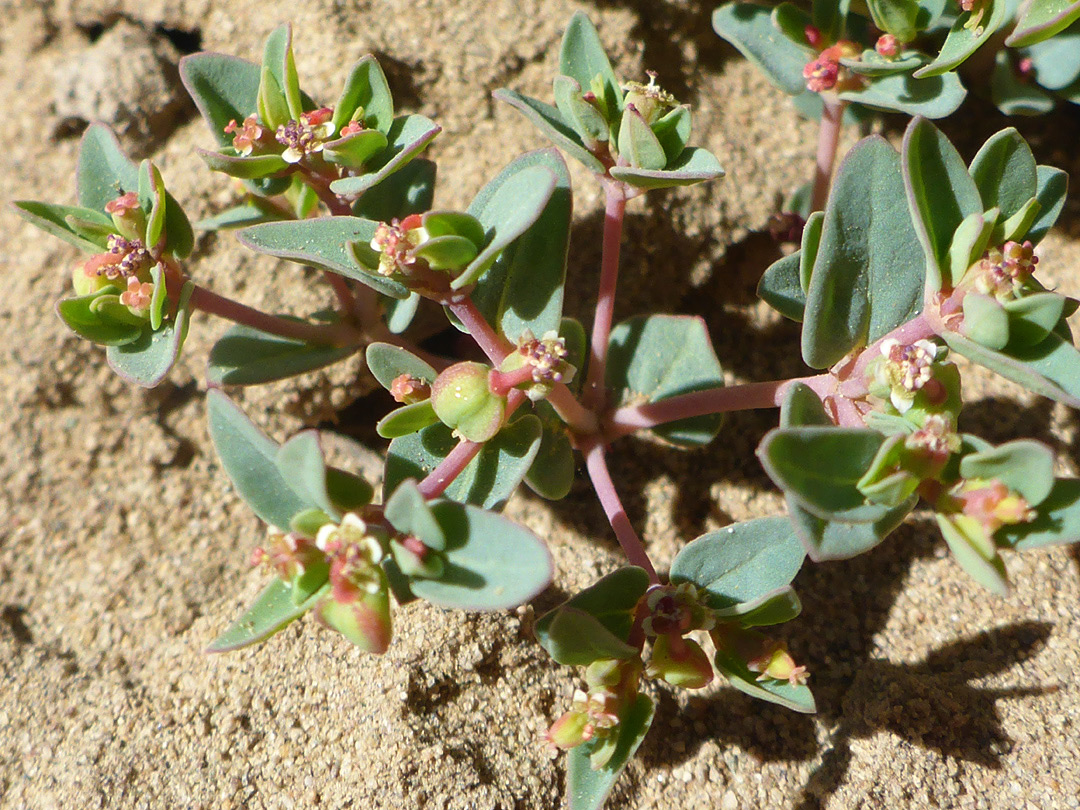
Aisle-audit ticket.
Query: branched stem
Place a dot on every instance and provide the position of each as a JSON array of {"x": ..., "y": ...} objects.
[
  {"x": 321, "y": 186},
  {"x": 494, "y": 345},
  {"x": 436, "y": 481},
  {"x": 614, "y": 209},
  {"x": 828, "y": 139},
  {"x": 631, "y": 544},
  {"x": 581, "y": 420},
  {"x": 700, "y": 403},
  {"x": 328, "y": 334}
]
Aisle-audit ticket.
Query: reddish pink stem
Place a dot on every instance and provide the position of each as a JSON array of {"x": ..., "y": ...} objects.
[
  {"x": 631, "y": 544},
  {"x": 436, "y": 481},
  {"x": 495, "y": 346},
  {"x": 828, "y": 138},
  {"x": 593, "y": 394},
  {"x": 700, "y": 403},
  {"x": 329, "y": 334}
]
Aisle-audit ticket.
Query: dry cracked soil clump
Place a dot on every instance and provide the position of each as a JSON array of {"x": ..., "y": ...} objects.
[{"x": 123, "y": 551}]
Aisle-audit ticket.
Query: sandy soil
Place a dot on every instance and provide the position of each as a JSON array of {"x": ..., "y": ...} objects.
[{"x": 123, "y": 551}]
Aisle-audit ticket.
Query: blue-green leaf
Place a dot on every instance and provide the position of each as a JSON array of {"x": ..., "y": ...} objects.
[
  {"x": 749, "y": 28},
  {"x": 507, "y": 207},
  {"x": 795, "y": 697},
  {"x": 247, "y": 356},
  {"x": 582, "y": 58},
  {"x": 1053, "y": 185},
  {"x": 487, "y": 481},
  {"x": 54, "y": 220},
  {"x": 653, "y": 358},
  {"x": 523, "y": 289},
  {"x": 940, "y": 192},
  {"x": 321, "y": 242},
  {"x": 867, "y": 277},
  {"x": 1050, "y": 368},
  {"x": 610, "y": 603},
  {"x": 1041, "y": 20},
  {"x": 407, "y": 419},
  {"x": 104, "y": 171},
  {"x": 742, "y": 562},
  {"x": 271, "y": 612},
  {"x": 1057, "y": 520},
  {"x": 147, "y": 360},
  {"x": 988, "y": 572},
  {"x": 1005, "y": 173},
  {"x": 409, "y": 135},
  {"x": 964, "y": 39},
  {"x": 694, "y": 165},
  {"x": 223, "y": 87},
  {"x": 366, "y": 88},
  {"x": 491, "y": 563},
  {"x": 779, "y": 287},
  {"x": 249, "y": 458},
  {"x": 820, "y": 466},
  {"x": 587, "y": 788},
  {"x": 409, "y": 513},
  {"x": 409, "y": 190},
  {"x": 388, "y": 362},
  {"x": 1023, "y": 465},
  {"x": 933, "y": 96}
]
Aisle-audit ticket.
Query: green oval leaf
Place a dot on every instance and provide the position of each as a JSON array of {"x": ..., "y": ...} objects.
[
  {"x": 270, "y": 613},
  {"x": 366, "y": 88},
  {"x": 491, "y": 563},
  {"x": 940, "y": 192},
  {"x": 1050, "y": 368},
  {"x": 750, "y": 29},
  {"x": 104, "y": 172},
  {"x": 587, "y": 788},
  {"x": 867, "y": 276},
  {"x": 933, "y": 96},
  {"x": 406, "y": 420},
  {"x": 582, "y": 58},
  {"x": 54, "y": 220},
  {"x": 409, "y": 513},
  {"x": 249, "y": 458},
  {"x": 523, "y": 289},
  {"x": 653, "y": 358},
  {"x": 321, "y": 242},
  {"x": 388, "y": 362},
  {"x": 798, "y": 697},
  {"x": 742, "y": 562},
  {"x": 1057, "y": 521},
  {"x": 694, "y": 165},
  {"x": 990, "y": 573},
  {"x": 506, "y": 207},
  {"x": 820, "y": 466},
  {"x": 246, "y": 356},
  {"x": 1024, "y": 466},
  {"x": 964, "y": 39},
  {"x": 409, "y": 135},
  {"x": 596, "y": 622},
  {"x": 1041, "y": 20},
  {"x": 146, "y": 360},
  {"x": 487, "y": 481},
  {"x": 223, "y": 87}
]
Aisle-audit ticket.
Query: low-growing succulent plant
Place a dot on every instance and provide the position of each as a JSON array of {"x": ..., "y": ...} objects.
[
  {"x": 915, "y": 257},
  {"x": 845, "y": 60}
]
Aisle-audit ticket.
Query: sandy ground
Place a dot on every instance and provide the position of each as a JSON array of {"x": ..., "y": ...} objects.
[{"x": 123, "y": 551}]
